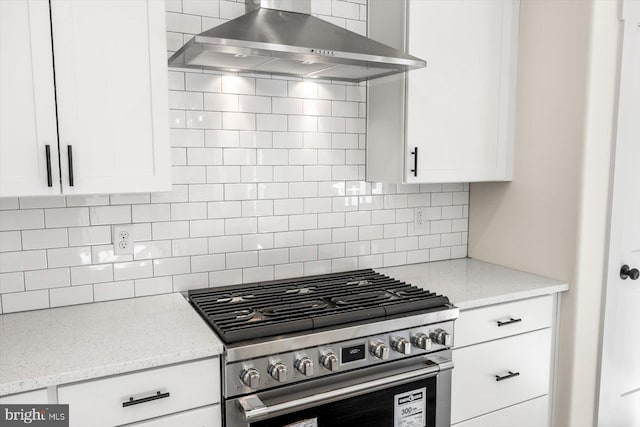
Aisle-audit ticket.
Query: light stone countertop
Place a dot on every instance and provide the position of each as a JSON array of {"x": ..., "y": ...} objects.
[
  {"x": 469, "y": 283},
  {"x": 62, "y": 345}
]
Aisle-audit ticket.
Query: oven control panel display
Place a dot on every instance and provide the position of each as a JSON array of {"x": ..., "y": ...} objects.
[{"x": 353, "y": 353}]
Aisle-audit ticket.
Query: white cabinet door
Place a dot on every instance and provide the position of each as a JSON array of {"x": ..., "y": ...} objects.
[
  {"x": 460, "y": 107},
  {"x": 28, "y": 397},
  {"x": 111, "y": 85},
  {"x": 532, "y": 413},
  {"x": 209, "y": 416},
  {"x": 27, "y": 101},
  {"x": 500, "y": 373}
]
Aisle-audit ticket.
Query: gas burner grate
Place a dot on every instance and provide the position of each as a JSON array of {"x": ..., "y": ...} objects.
[{"x": 265, "y": 309}]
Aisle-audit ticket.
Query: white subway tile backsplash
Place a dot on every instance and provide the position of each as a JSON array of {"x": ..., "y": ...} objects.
[
  {"x": 241, "y": 226},
  {"x": 185, "y": 282},
  {"x": 45, "y": 279},
  {"x": 185, "y": 247},
  {"x": 10, "y": 241},
  {"x": 109, "y": 215},
  {"x": 242, "y": 259},
  {"x": 171, "y": 266},
  {"x": 132, "y": 270},
  {"x": 42, "y": 202},
  {"x": 239, "y": 85},
  {"x": 202, "y": 83},
  {"x": 268, "y": 182},
  {"x": 22, "y": 261},
  {"x": 149, "y": 250},
  {"x": 254, "y": 242},
  {"x": 91, "y": 274},
  {"x": 153, "y": 286},
  {"x": 11, "y": 282},
  {"x": 204, "y": 263},
  {"x": 271, "y": 122},
  {"x": 44, "y": 239},
  {"x": 22, "y": 301},
  {"x": 21, "y": 219},
  {"x": 113, "y": 290},
  {"x": 268, "y": 87},
  {"x": 170, "y": 230}
]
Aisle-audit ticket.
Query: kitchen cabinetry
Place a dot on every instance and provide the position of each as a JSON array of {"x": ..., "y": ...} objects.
[
  {"x": 147, "y": 394},
  {"x": 27, "y": 104},
  {"x": 110, "y": 92},
  {"x": 452, "y": 121},
  {"x": 503, "y": 358},
  {"x": 32, "y": 397}
]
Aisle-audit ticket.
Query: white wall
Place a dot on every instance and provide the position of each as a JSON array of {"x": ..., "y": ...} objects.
[
  {"x": 268, "y": 178},
  {"x": 552, "y": 219}
]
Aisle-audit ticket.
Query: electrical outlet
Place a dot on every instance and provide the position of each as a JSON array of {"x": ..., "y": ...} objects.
[
  {"x": 123, "y": 239},
  {"x": 421, "y": 219}
]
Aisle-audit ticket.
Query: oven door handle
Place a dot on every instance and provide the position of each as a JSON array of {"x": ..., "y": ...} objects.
[{"x": 254, "y": 409}]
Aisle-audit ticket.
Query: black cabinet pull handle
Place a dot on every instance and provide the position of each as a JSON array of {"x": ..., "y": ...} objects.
[
  {"x": 70, "y": 157},
  {"x": 509, "y": 322},
  {"x": 415, "y": 161},
  {"x": 133, "y": 401},
  {"x": 47, "y": 149},
  {"x": 627, "y": 272},
  {"x": 506, "y": 377}
]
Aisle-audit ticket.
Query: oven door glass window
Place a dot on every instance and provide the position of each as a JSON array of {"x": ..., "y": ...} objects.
[{"x": 408, "y": 405}]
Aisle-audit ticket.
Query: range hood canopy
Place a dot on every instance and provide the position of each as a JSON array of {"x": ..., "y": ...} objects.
[{"x": 280, "y": 37}]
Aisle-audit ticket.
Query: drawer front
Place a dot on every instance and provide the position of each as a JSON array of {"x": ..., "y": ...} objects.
[
  {"x": 475, "y": 389},
  {"x": 532, "y": 413},
  {"x": 100, "y": 402},
  {"x": 208, "y": 416},
  {"x": 501, "y": 320},
  {"x": 35, "y": 396}
]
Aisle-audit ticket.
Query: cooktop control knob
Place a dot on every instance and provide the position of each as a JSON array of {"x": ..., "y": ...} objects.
[
  {"x": 422, "y": 341},
  {"x": 441, "y": 337},
  {"x": 250, "y": 377},
  {"x": 379, "y": 350},
  {"x": 329, "y": 361},
  {"x": 401, "y": 345},
  {"x": 278, "y": 372},
  {"x": 304, "y": 365}
]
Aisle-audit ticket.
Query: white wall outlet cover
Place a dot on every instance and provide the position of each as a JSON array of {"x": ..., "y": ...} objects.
[
  {"x": 123, "y": 240},
  {"x": 420, "y": 219}
]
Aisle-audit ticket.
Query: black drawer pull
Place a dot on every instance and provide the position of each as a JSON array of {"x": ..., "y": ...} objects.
[
  {"x": 415, "y": 161},
  {"x": 47, "y": 149},
  {"x": 506, "y": 377},
  {"x": 509, "y": 322},
  {"x": 133, "y": 401},
  {"x": 70, "y": 157}
]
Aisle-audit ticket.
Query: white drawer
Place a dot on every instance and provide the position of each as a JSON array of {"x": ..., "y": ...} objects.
[
  {"x": 100, "y": 402},
  {"x": 481, "y": 324},
  {"x": 35, "y": 396},
  {"x": 532, "y": 413},
  {"x": 475, "y": 389},
  {"x": 209, "y": 416}
]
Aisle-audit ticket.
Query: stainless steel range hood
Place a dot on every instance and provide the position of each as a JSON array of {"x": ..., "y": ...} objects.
[{"x": 280, "y": 37}]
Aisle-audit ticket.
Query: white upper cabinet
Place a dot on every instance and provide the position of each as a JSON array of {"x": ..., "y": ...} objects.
[
  {"x": 111, "y": 97},
  {"x": 27, "y": 101},
  {"x": 111, "y": 85},
  {"x": 453, "y": 120}
]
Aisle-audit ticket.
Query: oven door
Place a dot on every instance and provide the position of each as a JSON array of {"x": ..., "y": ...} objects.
[{"x": 407, "y": 393}]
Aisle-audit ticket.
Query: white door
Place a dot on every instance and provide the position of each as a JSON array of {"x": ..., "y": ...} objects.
[
  {"x": 111, "y": 81},
  {"x": 460, "y": 107},
  {"x": 620, "y": 371},
  {"x": 27, "y": 101}
]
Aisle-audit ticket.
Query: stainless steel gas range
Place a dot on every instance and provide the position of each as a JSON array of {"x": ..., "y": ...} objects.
[{"x": 345, "y": 349}]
